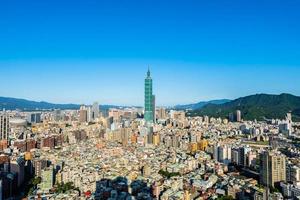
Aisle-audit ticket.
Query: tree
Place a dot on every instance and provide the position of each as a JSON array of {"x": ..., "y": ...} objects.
[
  {"x": 225, "y": 198},
  {"x": 64, "y": 187}
]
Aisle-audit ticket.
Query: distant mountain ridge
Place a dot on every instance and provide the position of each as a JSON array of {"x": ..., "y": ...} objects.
[
  {"x": 200, "y": 104},
  {"x": 9, "y": 103},
  {"x": 258, "y": 106}
]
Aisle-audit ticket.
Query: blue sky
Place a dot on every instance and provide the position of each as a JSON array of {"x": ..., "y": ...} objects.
[{"x": 82, "y": 51}]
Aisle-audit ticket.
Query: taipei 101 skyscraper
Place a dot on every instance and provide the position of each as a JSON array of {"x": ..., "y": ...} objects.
[{"x": 149, "y": 113}]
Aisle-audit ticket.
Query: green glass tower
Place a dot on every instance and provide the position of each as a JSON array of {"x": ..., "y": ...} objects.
[{"x": 149, "y": 99}]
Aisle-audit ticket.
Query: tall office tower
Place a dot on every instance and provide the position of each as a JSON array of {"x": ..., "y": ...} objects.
[
  {"x": 4, "y": 126},
  {"x": 215, "y": 151},
  {"x": 17, "y": 166},
  {"x": 57, "y": 115},
  {"x": 272, "y": 168},
  {"x": 150, "y": 137},
  {"x": 89, "y": 110},
  {"x": 238, "y": 116},
  {"x": 125, "y": 135},
  {"x": 242, "y": 153},
  {"x": 162, "y": 113},
  {"x": 96, "y": 110},
  {"x": 235, "y": 156},
  {"x": 224, "y": 154},
  {"x": 289, "y": 123},
  {"x": 148, "y": 114},
  {"x": 83, "y": 114},
  {"x": 153, "y": 108},
  {"x": 231, "y": 117},
  {"x": 34, "y": 117}
]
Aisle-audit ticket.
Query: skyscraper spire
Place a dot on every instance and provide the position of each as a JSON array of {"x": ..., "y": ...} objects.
[{"x": 148, "y": 73}]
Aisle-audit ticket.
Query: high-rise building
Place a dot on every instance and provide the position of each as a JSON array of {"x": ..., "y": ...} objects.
[
  {"x": 149, "y": 133},
  {"x": 124, "y": 136},
  {"x": 1, "y": 188},
  {"x": 162, "y": 113},
  {"x": 242, "y": 156},
  {"x": 224, "y": 154},
  {"x": 47, "y": 176},
  {"x": 231, "y": 117},
  {"x": 89, "y": 110},
  {"x": 34, "y": 117},
  {"x": 4, "y": 126},
  {"x": 149, "y": 102},
  {"x": 251, "y": 159},
  {"x": 57, "y": 115},
  {"x": 177, "y": 115},
  {"x": 153, "y": 108},
  {"x": 38, "y": 166},
  {"x": 272, "y": 168},
  {"x": 289, "y": 123},
  {"x": 238, "y": 116},
  {"x": 156, "y": 139},
  {"x": 83, "y": 114},
  {"x": 235, "y": 155},
  {"x": 17, "y": 166},
  {"x": 292, "y": 173},
  {"x": 96, "y": 110}
]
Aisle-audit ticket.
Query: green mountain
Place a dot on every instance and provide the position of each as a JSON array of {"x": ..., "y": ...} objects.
[
  {"x": 259, "y": 106},
  {"x": 200, "y": 104},
  {"x": 8, "y": 103}
]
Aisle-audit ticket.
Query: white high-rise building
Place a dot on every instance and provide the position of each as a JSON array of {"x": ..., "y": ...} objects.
[
  {"x": 238, "y": 116},
  {"x": 289, "y": 123},
  {"x": 286, "y": 127},
  {"x": 89, "y": 113},
  {"x": 96, "y": 110}
]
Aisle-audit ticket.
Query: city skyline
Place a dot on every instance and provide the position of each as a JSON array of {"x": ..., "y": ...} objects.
[{"x": 98, "y": 51}]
